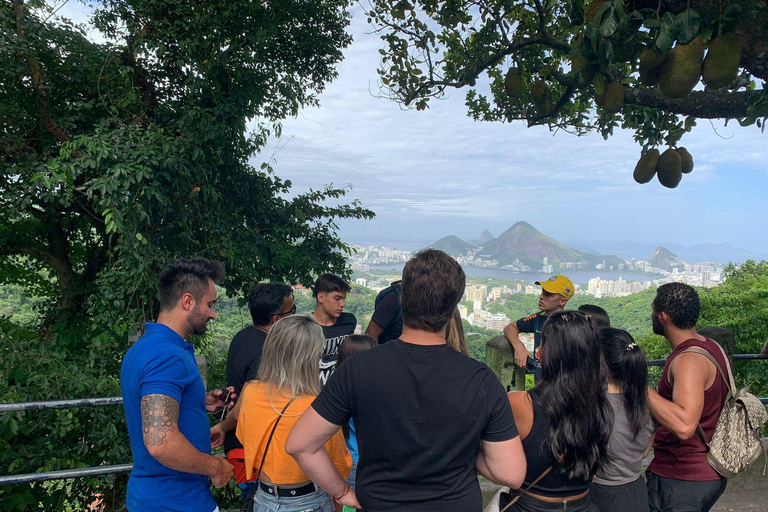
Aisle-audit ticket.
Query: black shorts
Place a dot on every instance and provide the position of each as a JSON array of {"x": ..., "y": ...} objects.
[
  {"x": 530, "y": 504},
  {"x": 670, "y": 495},
  {"x": 631, "y": 497}
]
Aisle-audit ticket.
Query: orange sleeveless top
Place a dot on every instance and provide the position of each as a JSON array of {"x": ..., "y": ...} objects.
[{"x": 260, "y": 409}]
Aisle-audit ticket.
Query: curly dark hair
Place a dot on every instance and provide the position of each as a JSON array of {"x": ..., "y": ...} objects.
[{"x": 680, "y": 302}]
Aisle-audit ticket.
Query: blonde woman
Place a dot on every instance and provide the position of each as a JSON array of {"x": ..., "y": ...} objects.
[
  {"x": 454, "y": 333},
  {"x": 286, "y": 386}
]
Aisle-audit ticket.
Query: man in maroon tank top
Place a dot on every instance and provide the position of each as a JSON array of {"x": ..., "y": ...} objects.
[{"x": 691, "y": 392}]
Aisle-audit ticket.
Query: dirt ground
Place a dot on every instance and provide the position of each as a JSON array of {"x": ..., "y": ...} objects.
[{"x": 750, "y": 496}]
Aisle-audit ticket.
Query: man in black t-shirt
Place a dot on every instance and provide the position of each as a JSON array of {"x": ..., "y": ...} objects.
[
  {"x": 330, "y": 295},
  {"x": 387, "y": 320},
  {"x": 268, "y": 303},
  {"x": 426, "y": 416}
]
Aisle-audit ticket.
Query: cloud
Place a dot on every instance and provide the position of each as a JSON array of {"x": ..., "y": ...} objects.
[{"x": 438, "y": 172}]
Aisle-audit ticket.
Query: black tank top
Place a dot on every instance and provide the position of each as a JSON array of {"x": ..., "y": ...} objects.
[{"x": 540, "y": 457}]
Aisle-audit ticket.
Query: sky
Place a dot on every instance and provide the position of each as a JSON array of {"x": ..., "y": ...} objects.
[{"x": 435, "y": 173}]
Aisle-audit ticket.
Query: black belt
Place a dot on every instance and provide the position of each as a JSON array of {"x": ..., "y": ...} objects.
[{"x": 287, "y": 492}]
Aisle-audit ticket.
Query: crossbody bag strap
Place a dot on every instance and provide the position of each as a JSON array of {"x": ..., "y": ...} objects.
[
  {"x": 269, "y": 441},
  {"x": 530, "y": 486},
  {"x": 248, "y": 503}
]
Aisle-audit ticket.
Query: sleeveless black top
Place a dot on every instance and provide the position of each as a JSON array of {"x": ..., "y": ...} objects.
[{"x": 540, "y": 457}]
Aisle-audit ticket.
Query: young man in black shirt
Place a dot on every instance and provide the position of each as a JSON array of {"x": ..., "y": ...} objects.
[
  {"x": 268, "y": 303},
  {"x": 330, "y": 295},
  {"x": 387, "y": 320},
  {"x": 555, "y": 294},
  {"x": 427, "y": 417}
]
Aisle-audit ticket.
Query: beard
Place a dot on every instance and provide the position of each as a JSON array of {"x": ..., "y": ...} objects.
[
  {"x": 657, "y": 327},
  {"x": 197, "y": 321}
]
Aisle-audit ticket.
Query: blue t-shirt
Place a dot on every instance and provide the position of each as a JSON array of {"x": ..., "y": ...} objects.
[
  {"x": 352, "y": 442},
  {"x": 161, "y": 362}
]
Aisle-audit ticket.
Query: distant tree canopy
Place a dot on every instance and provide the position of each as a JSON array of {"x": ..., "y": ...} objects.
[
  {"x": 116, "y": 156},
  {"x": 581, "y": 65}
]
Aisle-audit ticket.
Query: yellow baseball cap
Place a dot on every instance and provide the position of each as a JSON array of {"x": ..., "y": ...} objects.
[{"x": 558, "y": 284}]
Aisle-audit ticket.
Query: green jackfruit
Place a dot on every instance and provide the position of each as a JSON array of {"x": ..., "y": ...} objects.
[
  {"x": 645, "y": 169},
  {"x": 513, "y": 83},
  {"x": 681, "y": 69},
  {"x": 582, "y": 69},
  {"x": 613, "y": 97},
  {"x": 542, "y": 97},
  {"x": 686, "y": 165},
  {"x": 669, "y": 168},
  {"x": 721, "y": 64},
  {"x": 650, "y": 66}
]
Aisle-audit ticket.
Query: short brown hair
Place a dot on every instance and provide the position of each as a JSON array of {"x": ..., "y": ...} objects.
[{"x": 432, "y": 286}]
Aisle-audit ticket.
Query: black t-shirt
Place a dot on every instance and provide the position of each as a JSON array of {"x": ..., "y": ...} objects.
[
  {"x": 243, "y": 365},
  {"x": 420, "y": 413},
  {"x": 387, "y": 316},
  {"x": 334, "y": 335}
]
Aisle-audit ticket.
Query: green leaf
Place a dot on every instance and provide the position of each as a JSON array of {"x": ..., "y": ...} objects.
[
  {"x": 667, "y": 33},
  {"x": 688, "y": 23},
  {"x": 576, "y": 12},
  {"x": 609, "y": 22}
]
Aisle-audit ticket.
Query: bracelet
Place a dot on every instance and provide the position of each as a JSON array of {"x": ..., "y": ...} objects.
[{"x": 349, "y": 488}]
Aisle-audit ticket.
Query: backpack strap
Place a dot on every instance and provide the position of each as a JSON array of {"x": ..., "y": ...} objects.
[{"x": 728, "y": 380}]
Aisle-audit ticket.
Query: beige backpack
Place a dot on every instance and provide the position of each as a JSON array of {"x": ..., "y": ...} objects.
[{"x": 738, "y": 438}]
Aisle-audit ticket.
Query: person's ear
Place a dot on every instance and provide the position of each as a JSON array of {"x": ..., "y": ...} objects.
[{"x": 187, "y": 301}]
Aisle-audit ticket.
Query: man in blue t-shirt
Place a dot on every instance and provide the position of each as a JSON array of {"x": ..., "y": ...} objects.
[
  {"x": 555, "y": 293},
  {"x": 165, "y": 400}
]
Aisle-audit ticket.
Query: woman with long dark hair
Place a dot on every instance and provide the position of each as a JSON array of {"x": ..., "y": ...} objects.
[
  {"x": 618, "y": 484},
  {"x": 564, "y": 421}
]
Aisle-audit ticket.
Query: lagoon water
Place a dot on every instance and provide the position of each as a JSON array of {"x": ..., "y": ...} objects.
[{"x": 579, "y": 277}]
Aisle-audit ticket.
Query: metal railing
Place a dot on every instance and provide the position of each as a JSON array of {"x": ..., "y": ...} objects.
[{"x": 125, "y": 468}]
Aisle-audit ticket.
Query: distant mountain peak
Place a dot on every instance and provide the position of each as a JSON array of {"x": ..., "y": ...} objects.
[
  {"x": 665, "y": 259},
  {"x": 527, "y": 245},
  {"x": 485, "y": 236},
  {"x": 452, "y": 245}
]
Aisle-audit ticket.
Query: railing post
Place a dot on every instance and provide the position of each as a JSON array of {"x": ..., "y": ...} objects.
[{"x": 501, "y": 359}]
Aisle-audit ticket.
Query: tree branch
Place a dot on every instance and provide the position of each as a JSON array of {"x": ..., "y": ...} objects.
[
  {"x": 701, "y": 104},
  {"x": 37, "y": 79}
]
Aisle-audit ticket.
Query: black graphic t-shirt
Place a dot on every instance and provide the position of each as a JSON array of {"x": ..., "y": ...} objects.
[{"x": 334, "y": 335}]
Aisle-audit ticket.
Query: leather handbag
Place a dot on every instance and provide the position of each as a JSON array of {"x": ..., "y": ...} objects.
[{"x": 248, "y": 503}]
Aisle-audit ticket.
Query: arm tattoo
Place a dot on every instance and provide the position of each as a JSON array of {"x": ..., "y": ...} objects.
[{"x": 159, "y": 415}]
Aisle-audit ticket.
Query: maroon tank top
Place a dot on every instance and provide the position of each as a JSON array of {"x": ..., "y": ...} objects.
[{"x": 686, "y": 460}]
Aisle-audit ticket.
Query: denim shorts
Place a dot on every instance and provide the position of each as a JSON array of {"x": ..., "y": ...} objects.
[
  {"x": 318, "y": 501},
  {"x": 352, "y": 475}
]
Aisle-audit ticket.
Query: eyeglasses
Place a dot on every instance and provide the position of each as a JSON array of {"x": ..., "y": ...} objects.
[{"x": 289, "y": 312}]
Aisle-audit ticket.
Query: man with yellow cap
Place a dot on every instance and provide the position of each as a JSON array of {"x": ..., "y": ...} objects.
[{"x": 555, "y": 293}]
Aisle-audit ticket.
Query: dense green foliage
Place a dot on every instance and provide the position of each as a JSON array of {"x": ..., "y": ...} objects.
[
  {"x": 739, "y": 305},
  {"x": 116, "y": 156},
  {"x": 550, "y": 63}
]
